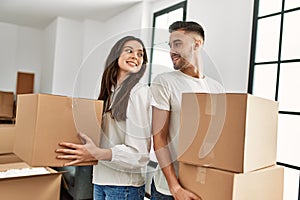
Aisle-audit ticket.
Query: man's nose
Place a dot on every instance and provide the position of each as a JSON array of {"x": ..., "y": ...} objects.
[{"x": 173, "y": 51}]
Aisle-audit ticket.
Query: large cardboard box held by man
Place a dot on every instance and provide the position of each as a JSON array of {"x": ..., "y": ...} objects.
[
  {"x": 214, "y": 184},
  {"x": 43, "y": 121},
  {"x": 44, "y": 186},
  {"x": 7, "y": 138},
  {"x": 234, "y": 132}
]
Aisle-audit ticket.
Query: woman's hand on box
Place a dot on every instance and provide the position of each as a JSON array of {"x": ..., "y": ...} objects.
[{"x": 85, "y": 152}]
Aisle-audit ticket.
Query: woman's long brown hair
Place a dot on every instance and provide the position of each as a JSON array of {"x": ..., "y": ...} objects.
[{"x": 119, "y": 107}]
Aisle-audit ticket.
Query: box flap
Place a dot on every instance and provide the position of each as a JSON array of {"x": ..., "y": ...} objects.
[
  {"x": 261, "y": 133},
  {"x": 25, "y": 122},
  {"x": 27, "y": 170}
]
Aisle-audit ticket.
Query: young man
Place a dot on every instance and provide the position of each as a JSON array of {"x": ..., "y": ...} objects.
[{"x": 186, "y": 40}]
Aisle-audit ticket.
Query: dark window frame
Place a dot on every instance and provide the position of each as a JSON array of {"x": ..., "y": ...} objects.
[
  {"x": 254, "y": 64},
  {"x": 183, "y": 5}
]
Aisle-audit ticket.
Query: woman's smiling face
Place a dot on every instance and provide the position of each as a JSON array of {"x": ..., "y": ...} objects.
[{"x": 131, "y": 57}]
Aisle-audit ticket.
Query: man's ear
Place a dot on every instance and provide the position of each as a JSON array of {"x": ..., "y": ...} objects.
[{"x": 198, "y": 43}]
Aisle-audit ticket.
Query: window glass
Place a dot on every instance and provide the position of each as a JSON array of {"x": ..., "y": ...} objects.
[
  {"x": 290, "y": 37},
  {"x": 267, "y": 47},
  {"x": 267, "y": 44},
  {"x": 160, "y": 38},
  {"x": 267, "y": 7},
  {"x": 161, "y": 61},
  {"x": 289, "y": 85},
  {"x": 161, "y": 21},
  {"x": 288, "y": 147},
  {"x": 290, "y": 4},
  {"x": 291, "y": 184},
  {"x": 175, "y": 15},
  {"x": 264, "y": 81}
]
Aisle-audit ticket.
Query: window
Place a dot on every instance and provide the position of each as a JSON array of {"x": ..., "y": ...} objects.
[
  {"x": 160, "y": 58},
  {"x": 274, "y": 74}
]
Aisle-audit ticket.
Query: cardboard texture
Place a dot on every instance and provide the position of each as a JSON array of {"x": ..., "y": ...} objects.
[
  {"x": 44, "y": 186},
  {"x": 7, "y": 138},
  {"x": 43, "y": 121},
  {"x": 234, "y": 132},
  {"x": 6, "y": 104},
  {"x": 9, "y": 158},
  {"x": 214, "y": 184}
]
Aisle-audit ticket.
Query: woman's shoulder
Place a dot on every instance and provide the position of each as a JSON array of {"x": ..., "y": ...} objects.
[{"x": 140, "y": 88}]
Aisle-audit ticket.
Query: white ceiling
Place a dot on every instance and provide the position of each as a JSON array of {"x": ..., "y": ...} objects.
[{"x": 39, "y": 13}]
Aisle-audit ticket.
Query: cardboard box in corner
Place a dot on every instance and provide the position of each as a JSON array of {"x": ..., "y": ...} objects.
[
  {"x": 44, "y": 120},
  {"x": 234, "y": 132}
]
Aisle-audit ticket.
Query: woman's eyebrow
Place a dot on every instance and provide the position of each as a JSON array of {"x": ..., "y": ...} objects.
[
  {"x": 133, "y": 48},
  {"x": 128, "y": 47}
]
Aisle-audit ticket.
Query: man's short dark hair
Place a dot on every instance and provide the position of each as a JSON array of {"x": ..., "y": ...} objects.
[{"x": 189, "y": 26}]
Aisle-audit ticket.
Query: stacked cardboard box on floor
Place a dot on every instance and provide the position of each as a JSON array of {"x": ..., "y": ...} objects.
[
  {"x": 227, "y": 147},
  {"x": 44, "y": 120},
  {"x": 15, "y": 184},
  {"x": 6, "y": 104}
]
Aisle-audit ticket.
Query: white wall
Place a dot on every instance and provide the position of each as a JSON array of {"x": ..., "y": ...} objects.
[
  {"x": 20, "y": 50},
  {"x": 136, "y": 21},
  {"x": 98, "y": 40},
  {"x": 30, "y": 52},
  {"x": 8, "y": 41},
  {"x": 68, "y": 55},
  {"x": 49, "y": 42},
  {"x": 228, "y": 26}
]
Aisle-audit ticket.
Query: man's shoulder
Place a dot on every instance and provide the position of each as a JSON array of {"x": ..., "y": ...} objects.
[{"x": 165, "y": 76}]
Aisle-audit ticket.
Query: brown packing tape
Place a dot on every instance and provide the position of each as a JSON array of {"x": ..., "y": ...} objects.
[{"x": 215, "y": 107}]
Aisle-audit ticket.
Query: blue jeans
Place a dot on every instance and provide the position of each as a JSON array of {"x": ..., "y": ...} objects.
[
  {"x": 155, "y": 195},
  {"x": 111, "y": 192}
]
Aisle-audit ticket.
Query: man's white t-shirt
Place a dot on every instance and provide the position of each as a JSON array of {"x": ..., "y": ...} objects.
[{"x": 167, "y": 89}]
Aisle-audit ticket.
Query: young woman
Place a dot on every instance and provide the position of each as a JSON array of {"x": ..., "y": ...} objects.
[{"x": 125, "y": 141}]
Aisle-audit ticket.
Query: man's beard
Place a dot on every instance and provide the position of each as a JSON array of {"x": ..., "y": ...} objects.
[
  {"x": 176, "y": 67},
  {"x": 179, "y": 61}
]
